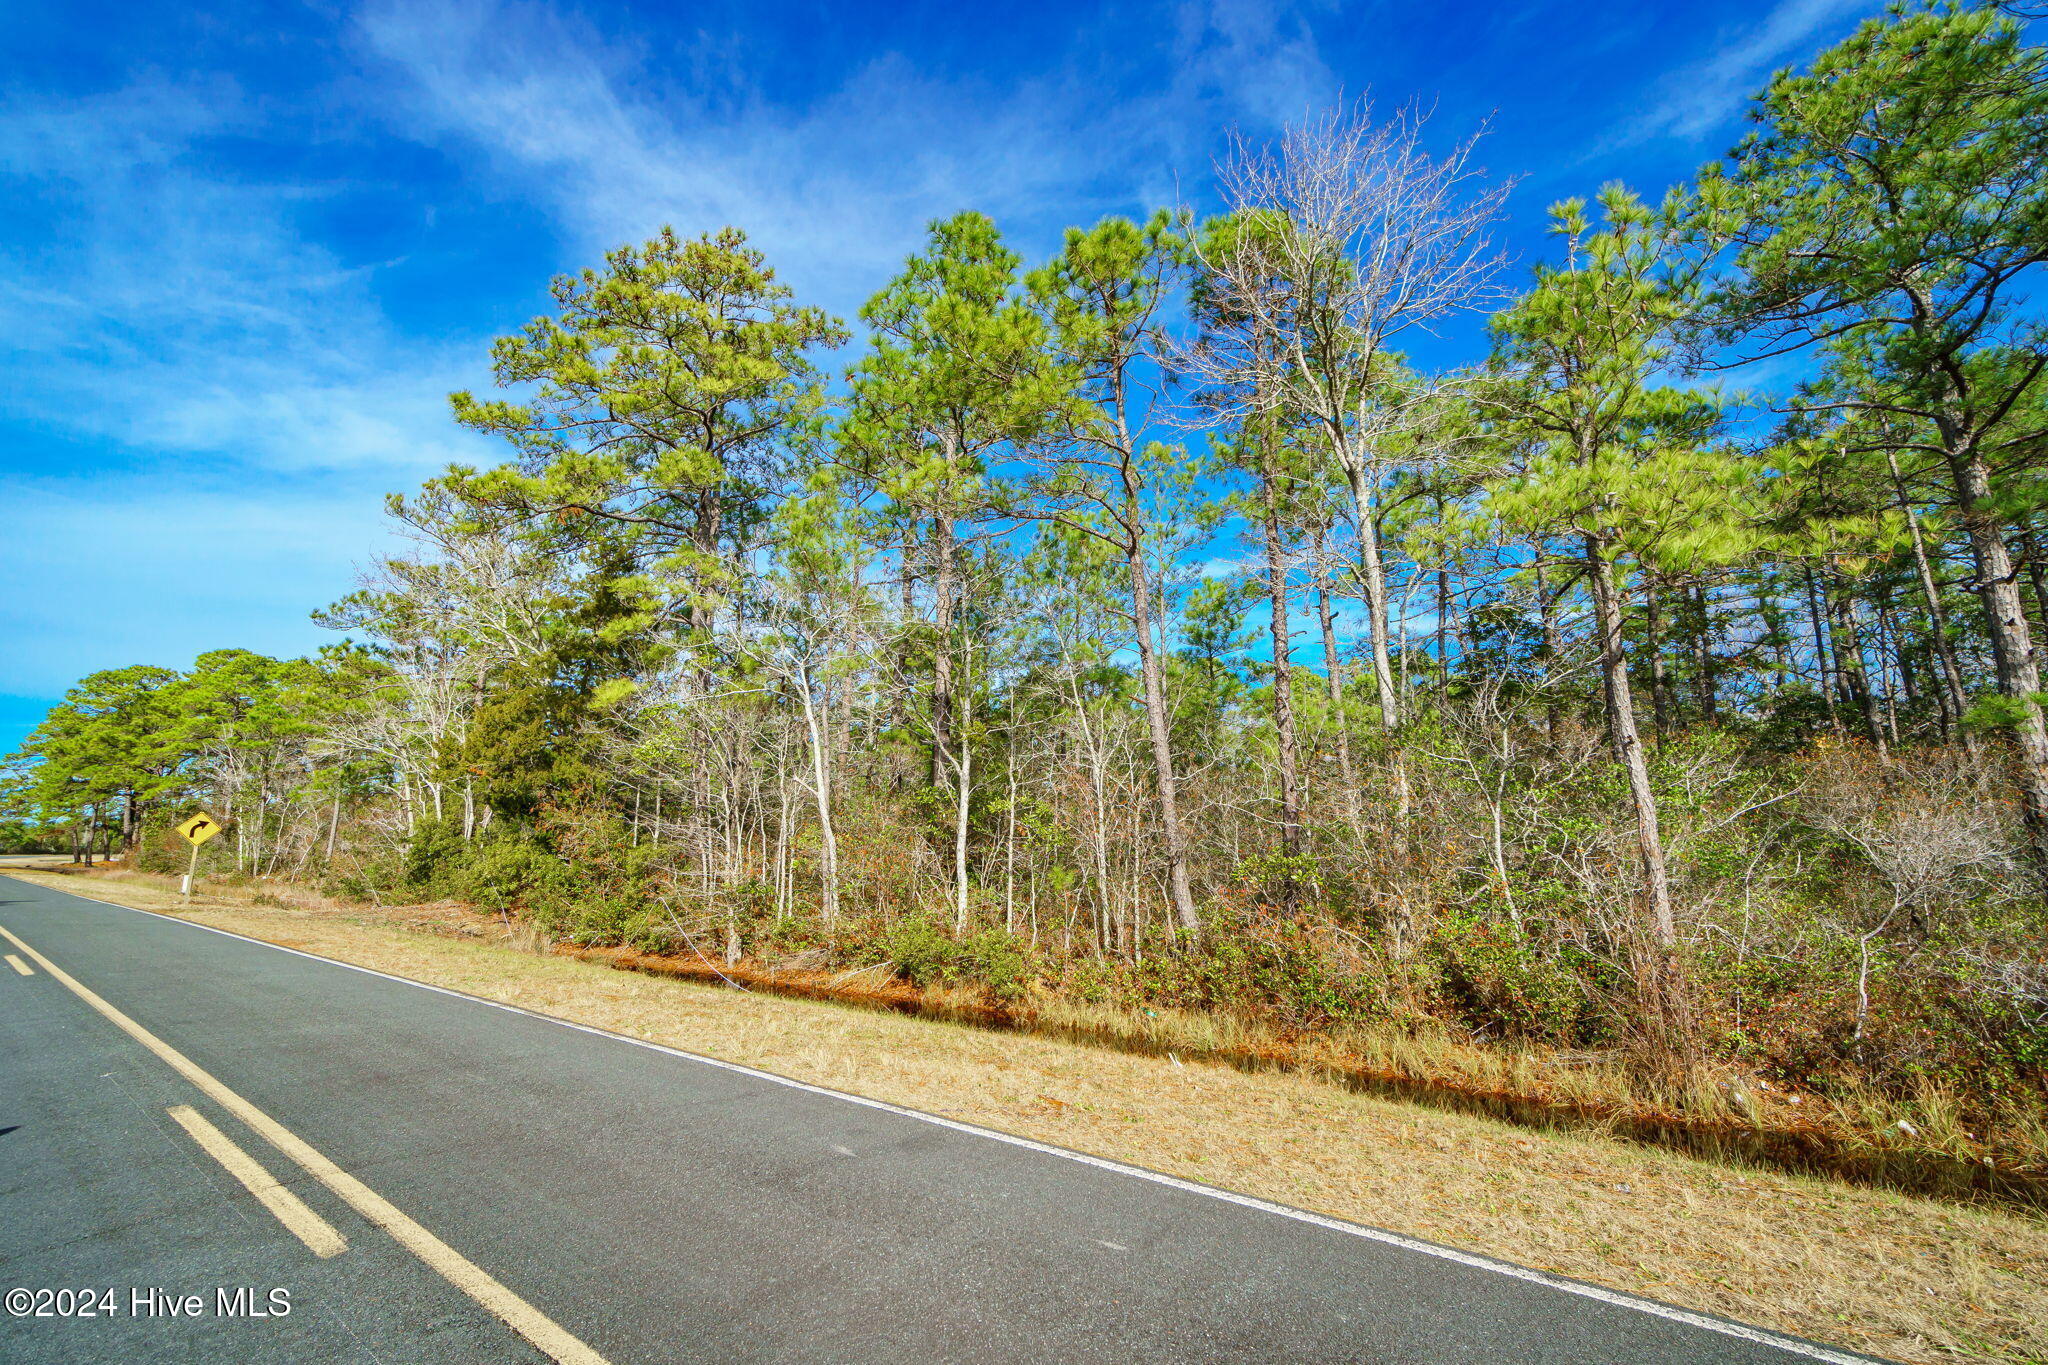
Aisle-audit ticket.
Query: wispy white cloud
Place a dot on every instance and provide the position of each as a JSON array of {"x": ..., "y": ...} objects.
[
  {"x": 1251, "y": 56},
  {"x": 1703, "y": 97},
  {"x": 175, "y": 310},
  {"x": 838, "y": 188},
  {"x": 204, "y": 403}
]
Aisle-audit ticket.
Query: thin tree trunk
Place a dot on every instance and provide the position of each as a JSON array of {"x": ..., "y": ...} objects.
[
  {"x": 1885, "y": 650},
  {"x": 1704, "y": 680},
  {"x": 1333, "y": 680},
  {"x": 1283, "y": 685},
  {"x": 821, "y": 787},
  {"x": 964, "y": 765},
  {"x": 1949, "y": 676},
  {"x": 1010, "y": 833},
  {"x": 1098, "y": 789},
  {"x": 1820, "y": 650},
  {"x": 1443, "y": 617},
  {"x": 1653, "y": 645},
  {"x": 1553, "y": 650},
  {"x": 1178, "y": 885},
  {"x": 945, "y": 581},
  {"x": 1162, "y": 750},
  {"x": 842, "y": 711},
  {"x": 2037, "y": 572},
  {"x": 1372, "y": 574},
  {"x": 1666, "y": 984},
  {"x": 1848, "y": 649}
]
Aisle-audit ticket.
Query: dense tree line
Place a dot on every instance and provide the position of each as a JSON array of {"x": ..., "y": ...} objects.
[{"x": 1589, "y": 700}]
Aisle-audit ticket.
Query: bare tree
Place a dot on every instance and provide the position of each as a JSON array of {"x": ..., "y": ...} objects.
[{"x": 1346, "y": 235}]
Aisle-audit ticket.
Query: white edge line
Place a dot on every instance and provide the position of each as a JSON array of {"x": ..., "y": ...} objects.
[{"x": 1612, "y": 1297}]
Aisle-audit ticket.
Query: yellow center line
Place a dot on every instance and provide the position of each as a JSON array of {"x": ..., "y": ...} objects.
[
  {"x": 309, "y": 1227},
  {"x": 473, "y": 1280},
  {"x": 20, "y": 966}
]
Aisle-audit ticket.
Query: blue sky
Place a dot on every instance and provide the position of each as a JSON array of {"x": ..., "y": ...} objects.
[{"x": 249, "y": 250}]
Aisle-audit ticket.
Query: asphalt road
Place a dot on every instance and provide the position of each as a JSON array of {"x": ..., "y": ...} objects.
[{"x": 501, "y": 1180}]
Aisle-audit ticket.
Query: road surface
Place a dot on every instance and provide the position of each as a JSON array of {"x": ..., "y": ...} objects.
[{"x": 195, "y": 1128}]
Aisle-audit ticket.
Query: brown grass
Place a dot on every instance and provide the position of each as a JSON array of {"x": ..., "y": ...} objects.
[
  {"x": 1918, "y": 1144},
  {"x": 1909, "y": 1278}
]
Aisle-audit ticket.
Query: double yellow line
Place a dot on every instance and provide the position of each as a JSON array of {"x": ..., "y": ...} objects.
[
  {"x": 453, "y": 1266},
  {"x": 309, "y": 1227}
]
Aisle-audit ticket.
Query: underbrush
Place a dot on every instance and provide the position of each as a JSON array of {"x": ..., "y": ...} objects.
[{"x": 1863, "y": 972}]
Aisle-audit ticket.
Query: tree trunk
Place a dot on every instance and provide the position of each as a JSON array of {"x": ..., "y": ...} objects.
[
  {"x": 1848, "y": 648},
  {"x": 1820, "y": 651},
  {"x": 1653, "y": 645},
  {"x": 900, "y": 695},
  {"x": 1283, "y": 686},
  {"x": 1553, "y": 650},
  {"x": 815, "y": 730},
  {"x": 945, "y": 584},
  {"x": 2038, "y": 573},
  {"x": 1443, "y": 636},
  {"x": 1098, "y": 790},
  {"x": 1010, "y": 831},
  {"x": 1665, "y": 982},
  {"x": 1372, "y": 574},
  {"x": 1948, "y": 675},
  {"x": 1704, "y": 680},
  {"x": 1177, "y": 883},
  {"x": 1889, "y": 650},
  {"x": 2012, "y": 644},
  {"x": 964, "y": 768},
  {"x": 1333, "y": 680}
]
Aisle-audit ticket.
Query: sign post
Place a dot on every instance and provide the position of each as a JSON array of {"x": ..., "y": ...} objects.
[{"x": 195, "y": 831}]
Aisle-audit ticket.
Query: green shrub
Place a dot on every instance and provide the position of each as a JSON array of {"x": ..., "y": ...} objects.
[
  {"x": 1497, "y": 975},
  {"x": 505, "y": 874},
  {"x": 996, "y": 958},
  {"x": 923, "y": 953}
]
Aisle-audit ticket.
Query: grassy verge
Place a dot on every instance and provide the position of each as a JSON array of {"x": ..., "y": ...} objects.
[
  {"x": 1920, "y": 1144},
  {"x": 1909, "y": 1278}
]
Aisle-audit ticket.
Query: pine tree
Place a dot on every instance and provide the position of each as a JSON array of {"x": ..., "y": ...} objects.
[
  {"x": 1625, "y": 468},
  {"x": 1890, "y": 207},
  {"x": 662, "y": 401}
]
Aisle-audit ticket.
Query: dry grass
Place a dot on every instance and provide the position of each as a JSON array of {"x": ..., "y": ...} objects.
[
  {"x": 1909, "y": 1278},
  {"x": 1922, "y": 1143}
]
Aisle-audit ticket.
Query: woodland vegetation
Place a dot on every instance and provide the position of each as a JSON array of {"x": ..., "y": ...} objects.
[{"x": 1147, "y": 626}]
